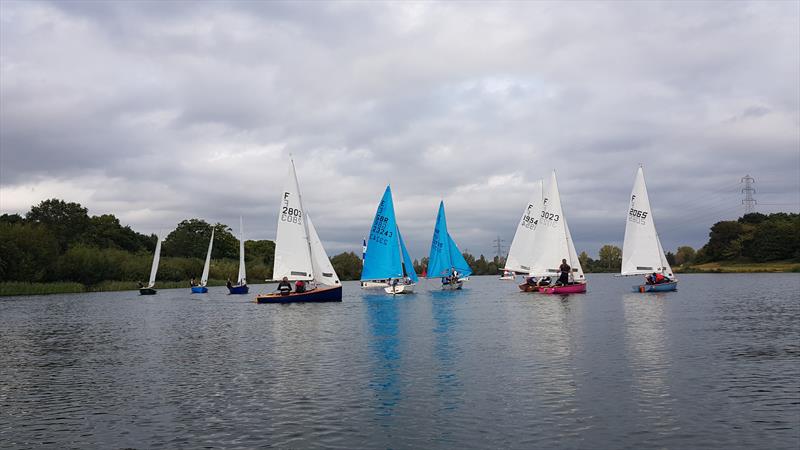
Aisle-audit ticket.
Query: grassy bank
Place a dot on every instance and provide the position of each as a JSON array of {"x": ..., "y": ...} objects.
[
  {"x": 741, "y": 267},
  {"x": 8, "y": 288}
]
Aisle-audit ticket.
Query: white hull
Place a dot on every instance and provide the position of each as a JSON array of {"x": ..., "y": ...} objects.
[
  {"x": 373, "y": 284},
  {"x": 400, "y": 289},
  {"x": 508, "y": 278}
]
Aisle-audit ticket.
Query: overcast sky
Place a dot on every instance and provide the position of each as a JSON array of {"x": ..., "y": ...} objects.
[{"x": 158, "y": 112}]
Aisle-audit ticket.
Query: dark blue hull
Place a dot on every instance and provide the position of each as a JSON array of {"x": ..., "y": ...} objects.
[
  {"x": 147, "y": 291},
  {"x": 318, "y": 295},
  {"x": 663, "y": 287},
  {"x": 199, "y": 289},
  {"x": 238, "y": 289}
]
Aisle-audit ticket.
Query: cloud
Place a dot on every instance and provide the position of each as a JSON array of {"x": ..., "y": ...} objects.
[{"x": 161, "y": 112}]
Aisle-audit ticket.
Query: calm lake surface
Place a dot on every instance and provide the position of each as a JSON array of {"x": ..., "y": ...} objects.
[{"x": 714, "y": 365}]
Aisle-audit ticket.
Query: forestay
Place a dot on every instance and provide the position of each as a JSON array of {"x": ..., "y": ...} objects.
[
  {"x": 207, "y": 265},
  {"x": 292, "y": 252},
  {"x": 521, "y": 251},
  {"x": 382, "y": 260},
  {"x": 641, "y": 250}
]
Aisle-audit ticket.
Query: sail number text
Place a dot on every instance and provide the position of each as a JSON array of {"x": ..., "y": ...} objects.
[
  {"x": 291, "y": 215},
  {"x": 637, "y": 216},
  {"x": 379, "y": 233}
]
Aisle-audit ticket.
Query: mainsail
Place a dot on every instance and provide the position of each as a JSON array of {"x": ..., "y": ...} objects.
[
  {"x": 444, "y": 256},
  {"x": 154, "y": 267},
  {"x": 552, "y": 240},
  {"x": 382, "y": 260},
  {"x": 207, "y": 265},
  {"x": 641, "y": 251},
  {"x": 521, "y": 251},
  {"x": 242, "y": 278},
  {"x": 292, "y": 250}
]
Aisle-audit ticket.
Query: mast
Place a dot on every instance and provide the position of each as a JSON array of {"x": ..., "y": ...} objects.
[{"x": 305, "y": 218}]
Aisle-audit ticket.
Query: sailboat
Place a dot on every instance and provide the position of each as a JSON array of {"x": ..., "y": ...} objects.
[
  {"x": 387, "y": 257},
  {"x": 149, "y": 289},
  {"x": 299, "y": 255},
  {"x": 445, "y": 260},
  {"x": 241, "y": 280},
  {"x": 202, "y": 289},
  {"x": 552, "y": 242},
  {"x": 642, "y": 253},
  {"x": 522, "y": 246},
  {"x": 508, "y": 275}
]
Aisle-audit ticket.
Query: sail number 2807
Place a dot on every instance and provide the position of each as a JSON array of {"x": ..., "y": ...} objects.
[{"x": 291, "y": 215}]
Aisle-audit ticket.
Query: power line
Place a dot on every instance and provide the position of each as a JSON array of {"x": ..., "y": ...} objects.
[
  {"x": 749, "y": 202},
  {"x": 498, "y": 244}
]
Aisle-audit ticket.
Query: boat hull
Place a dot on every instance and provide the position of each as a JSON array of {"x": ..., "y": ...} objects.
[
  {"x": 662, "y": 287},
  {"x": 578, "y": 288},
  {"x": 507, "y": 278},
  {"x": 373, "y": 285},
  {"x": 199, "y": 289},
  {"x": 452, "y": 286},
  {"x": 238, "y": 289},
  {"x": 147, "y": 291},
  {"x": 525, "y": 287},
  {"x": 318, "y": 295},
  {"x": 400, "y": 289}
]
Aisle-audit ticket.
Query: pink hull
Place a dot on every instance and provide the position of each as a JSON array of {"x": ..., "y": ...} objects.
[{"x": 569, "y": 289}]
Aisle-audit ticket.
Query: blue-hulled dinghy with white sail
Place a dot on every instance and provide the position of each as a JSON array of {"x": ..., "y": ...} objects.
[
  {"x": 387, "y": 257},
  {"x": 299, "y": 254},
  {"x": 201, "y": 288},
  {"x": 445, "y": 260},
  {"x": 241, "y": 280},
  {"x": 642, "y": 253}
]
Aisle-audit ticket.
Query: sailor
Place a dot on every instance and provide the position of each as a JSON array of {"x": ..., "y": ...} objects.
[
  {"x": 284, "y": 287},
  {"x": 565, "y": 269},
  {"x": 545, "y": 281},
  {"x": 300, "y": 286}
]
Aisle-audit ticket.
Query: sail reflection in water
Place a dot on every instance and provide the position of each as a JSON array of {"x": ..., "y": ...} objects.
[{"x": 384, "y": 344}]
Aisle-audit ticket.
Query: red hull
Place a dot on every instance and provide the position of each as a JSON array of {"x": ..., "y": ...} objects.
[{"x": 568, "y": 289}]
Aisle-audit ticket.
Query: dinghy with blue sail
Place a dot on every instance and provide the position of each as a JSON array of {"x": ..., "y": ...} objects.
[
  {"x": 445, "y": 260},
  {"x": 387, "y": 257},
  {"x": 241, "y": 280},
  {"x": 299, "y": 254},
  {"x": 642, "y": 253},
  {"x": 201, "y": 288}
]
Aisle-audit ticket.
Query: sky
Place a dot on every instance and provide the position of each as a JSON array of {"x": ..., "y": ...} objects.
[{"x": 158, "y": 112}]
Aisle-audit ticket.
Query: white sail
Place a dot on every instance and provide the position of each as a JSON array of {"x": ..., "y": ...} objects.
[
  {"x": 641, "y": 250},
  {"x": 292, "y": 250},
  {"x": 242, "y": 277},
  {"x": 521, "y": 251},
  {"x": 207, "y": 266},
  {"x": 156, "y": 259},
  {"x": 551, "y": 240},
  {"x": 573, "y": 260},
  {"x": 323, "y": 269}
]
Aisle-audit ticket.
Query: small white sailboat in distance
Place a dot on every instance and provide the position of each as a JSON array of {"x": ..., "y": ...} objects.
[
  {"x": 149, "y": 289},
  {"x": 241, "y": 280},
  {"x": 201, "y": 288},
  {"x": 642, "y": 253}
]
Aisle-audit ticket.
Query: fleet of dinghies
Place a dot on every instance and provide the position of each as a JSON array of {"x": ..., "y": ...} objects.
[{"x": 542, "y": 251}]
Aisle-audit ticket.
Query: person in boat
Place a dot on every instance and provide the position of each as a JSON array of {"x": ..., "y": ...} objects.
[
  {"x": 141, "y": 285},
  {"x": 300, "y": 286},
  {"x": 394, "y": 282},
  {"x": 545, "y": 281},
  {"x": 192, "y": 282},
  {"x": 284, "y": 287},
  {"x": 565, "y": 270},
  {"x": 530, "y": 281},
  {"x": 659, "y": 278},
  {"x": 229, "y": 284}
]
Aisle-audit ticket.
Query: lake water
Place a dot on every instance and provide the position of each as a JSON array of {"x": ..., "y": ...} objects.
[{"x": 714, "y": 365}]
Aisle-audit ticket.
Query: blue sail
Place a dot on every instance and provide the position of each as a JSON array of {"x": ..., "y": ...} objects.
[
  {"x": 410, "y": 272},
  {"x": 382, "y": 260},
  {"x": 439, "y": 263},
  {"x": 457, "y": 259}
]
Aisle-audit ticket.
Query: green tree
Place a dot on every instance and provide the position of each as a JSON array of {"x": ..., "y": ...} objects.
[
  {"x": 27, "y": 252},
  {"x": 684, "y": 255},
  {"x": 67, "y": 221},
  {"x": 190, "y": 239},
  {"x": 347, "y": 265},
  {"x": 610, "y": 258}
]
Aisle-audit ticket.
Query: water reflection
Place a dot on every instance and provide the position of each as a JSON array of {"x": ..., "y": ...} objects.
[
  {"x": 648, "y": 350},
  {"x": 448, "y": 385},
  {"x": 383, "y": 325}
]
